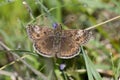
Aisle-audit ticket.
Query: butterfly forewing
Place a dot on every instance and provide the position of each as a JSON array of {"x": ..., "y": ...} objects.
[{"x": 36, "y": 32}]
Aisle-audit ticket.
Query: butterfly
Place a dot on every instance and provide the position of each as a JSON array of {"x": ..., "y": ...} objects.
[{"x": 64, "y": 44}]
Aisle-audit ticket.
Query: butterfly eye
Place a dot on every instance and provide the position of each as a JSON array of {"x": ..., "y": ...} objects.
[{"x": 55, "y": 25}]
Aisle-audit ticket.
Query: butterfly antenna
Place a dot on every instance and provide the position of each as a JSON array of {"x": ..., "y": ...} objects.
[{"x": 92, "y": 27}]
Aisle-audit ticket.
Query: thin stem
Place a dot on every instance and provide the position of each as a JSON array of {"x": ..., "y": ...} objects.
[
  {"x": 92, "y": 27},
  {"x": 46, "y": 11},
  {"x": 28, "y": 8},
  {"x": 1, "y": 68},
  {"x": 64, "y": 75},
  {"x": 24, "y": 62}
]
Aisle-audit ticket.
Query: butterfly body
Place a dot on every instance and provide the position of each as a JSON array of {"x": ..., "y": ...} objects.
[
  {"x": 57, "y": 39},
  {"x": 57, "y": 42}
]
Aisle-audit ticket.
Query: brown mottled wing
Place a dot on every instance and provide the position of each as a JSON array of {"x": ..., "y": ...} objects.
[
  {"x": 71, "y": 41},
  {"x": 36, "y": 32},
  {"x": 45, "y": 46},
  {"x": 42, "y": 38}
]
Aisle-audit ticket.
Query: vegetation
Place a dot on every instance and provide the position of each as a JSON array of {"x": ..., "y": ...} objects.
[{"x": 99, "y": 59}]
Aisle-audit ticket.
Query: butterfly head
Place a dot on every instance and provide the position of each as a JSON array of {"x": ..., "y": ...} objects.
[{"x": 55, "y": 25}]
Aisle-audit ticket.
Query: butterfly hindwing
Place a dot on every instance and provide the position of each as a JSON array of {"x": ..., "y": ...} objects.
[{"x": 44, "y": 46}]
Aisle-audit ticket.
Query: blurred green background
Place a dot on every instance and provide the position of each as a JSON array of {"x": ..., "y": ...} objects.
[{"x": 103, "y": 49}]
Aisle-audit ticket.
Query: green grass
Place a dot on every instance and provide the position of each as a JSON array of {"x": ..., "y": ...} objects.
[{"x": 18, "y": 56}]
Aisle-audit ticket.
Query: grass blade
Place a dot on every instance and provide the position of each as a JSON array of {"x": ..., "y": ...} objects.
[{"x": 91, "y": 71}]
